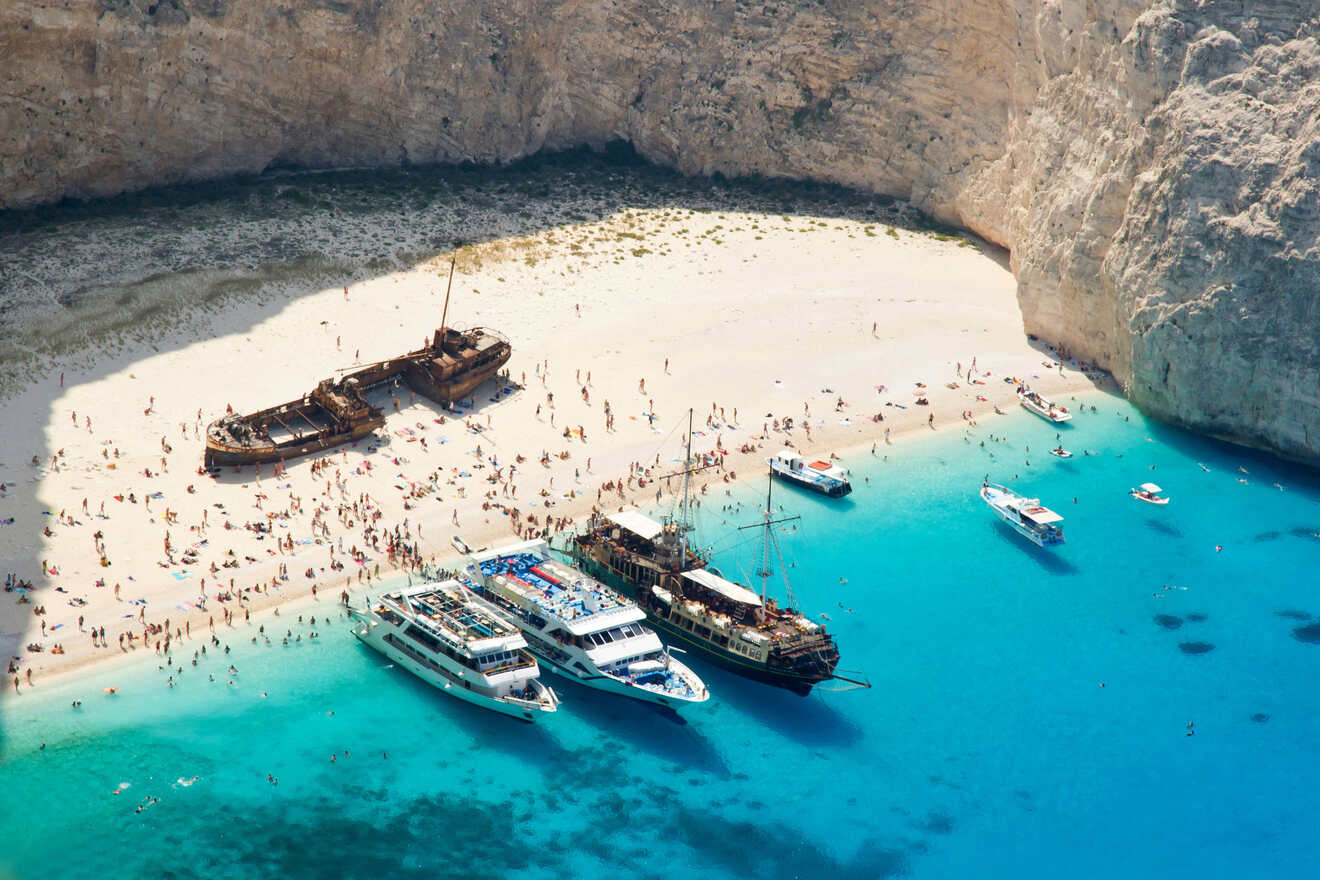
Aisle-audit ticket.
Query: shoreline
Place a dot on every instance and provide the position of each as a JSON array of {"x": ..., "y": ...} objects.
[
  {"x": 296, "y": 600},
  {"x": 571, "y": 308}
]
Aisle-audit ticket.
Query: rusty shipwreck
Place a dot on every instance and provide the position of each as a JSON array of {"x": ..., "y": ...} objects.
[{"x": 448, "y": 368}]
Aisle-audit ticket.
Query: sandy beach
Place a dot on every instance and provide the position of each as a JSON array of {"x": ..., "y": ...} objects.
[{"x": 746, "y": 318}]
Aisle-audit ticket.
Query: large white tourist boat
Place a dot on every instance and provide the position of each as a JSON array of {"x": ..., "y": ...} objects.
[
  {"x": 818, "y": 476},
  {"x": 445, "y": 636},
  {"x": 1026, "y": 515},
  {"x": 580, "y": 627},
  {"x": 1043, "y": 406}
]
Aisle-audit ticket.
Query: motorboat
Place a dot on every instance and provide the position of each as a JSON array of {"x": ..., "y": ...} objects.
[
  {"x": 1043, "y": 406},
  {"x": 581, "y": 628},
  {"x": 440, "y": 632},
  {"x": 818, "y": 476},
  {"x": 1025, "y": 515}
]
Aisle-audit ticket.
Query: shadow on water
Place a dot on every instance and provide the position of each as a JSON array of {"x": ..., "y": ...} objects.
[
  {"x": 643, "y": 726},
  {"x": 1047, "y": 559},
  {"x": 754, "y": 849},
  {"x": 810, "y": 720},
  {"x": 1163, "y": 528}
]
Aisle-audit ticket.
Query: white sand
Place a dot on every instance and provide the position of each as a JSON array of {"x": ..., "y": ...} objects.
[{"x": 758, "y": 312}]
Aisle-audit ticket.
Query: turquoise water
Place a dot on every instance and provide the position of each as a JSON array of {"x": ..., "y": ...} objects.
[{"x": 987, "y": 746}]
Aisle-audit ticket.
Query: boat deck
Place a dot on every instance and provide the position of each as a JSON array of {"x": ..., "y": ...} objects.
[
  {"x": 294, "y": 426},
  {"x": 444, "y": 609},
  {"x": 555, "y": 589},
  {"x": 809, "y": 474}
]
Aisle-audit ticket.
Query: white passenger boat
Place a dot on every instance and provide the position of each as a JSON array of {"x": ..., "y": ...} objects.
[
  {"x": 1026, "y": 515},
  {"x": 445, "y": 636},
  {"x": 1149, "y": 493},
  {"x": 819, "y": 476},
  {"x": 580, "y": 627},
  {"x": 1043, "y": 406}
]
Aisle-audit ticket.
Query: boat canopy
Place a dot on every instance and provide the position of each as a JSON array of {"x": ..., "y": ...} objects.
[
  {"x": 727, "y": 589},
  {"x": 789, "y": 457},
  {"x": 639, "y": 524},
  {"x": 1151, "y": 488},
  {"x": 1041, "y": 515}
]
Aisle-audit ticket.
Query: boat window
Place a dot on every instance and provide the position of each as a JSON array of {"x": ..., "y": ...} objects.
[{"x": 419, "y": 635}]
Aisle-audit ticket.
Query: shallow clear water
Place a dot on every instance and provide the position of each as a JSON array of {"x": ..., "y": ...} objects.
[{"x": 987, "y": 746}]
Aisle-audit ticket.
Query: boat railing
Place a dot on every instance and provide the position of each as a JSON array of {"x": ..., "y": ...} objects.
[
  {"x": 522, "y": 660},
  {"x": 543, "y": 696}
]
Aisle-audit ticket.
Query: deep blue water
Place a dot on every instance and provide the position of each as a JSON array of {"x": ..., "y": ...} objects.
[{"x": 987, "y": 746}]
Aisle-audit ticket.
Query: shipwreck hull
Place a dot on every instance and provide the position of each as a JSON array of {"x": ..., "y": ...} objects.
[
  {"x": 447, "y": 390},
  {"x": 222, "y": 455},
  {"x": 445, "y": 371}
]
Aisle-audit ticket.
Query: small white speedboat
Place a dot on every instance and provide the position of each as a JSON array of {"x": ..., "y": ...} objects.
[
  {"x": 1061, "y": 452},
  {"x": 818, "y": 476},
  {"x": 1042, "y": 406},
  {"x": 1025, "y": 515},
  {"x": 1149, "y": 493}
]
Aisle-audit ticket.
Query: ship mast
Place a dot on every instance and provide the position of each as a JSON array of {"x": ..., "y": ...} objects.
[
  {"x": 766, "y": 536},
  {"x": 445, "y": 313},
  {"x": 769, "y": 543},
  {"x": 683, "y": 524}
]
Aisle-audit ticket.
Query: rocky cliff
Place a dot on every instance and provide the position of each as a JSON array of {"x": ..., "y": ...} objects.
[{"x": 1152, "y": 166}]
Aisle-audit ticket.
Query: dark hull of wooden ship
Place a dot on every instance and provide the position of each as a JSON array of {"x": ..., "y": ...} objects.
[
  {"x": 336, "y": 412},
  {"x": 797, "y": 665}
]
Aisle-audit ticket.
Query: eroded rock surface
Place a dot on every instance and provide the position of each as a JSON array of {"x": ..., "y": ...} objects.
[{"x": 1152, "y": 166}]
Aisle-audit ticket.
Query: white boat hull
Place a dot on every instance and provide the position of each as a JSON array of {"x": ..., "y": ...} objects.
[
  {"x": 559, "y": 635},
  {"x": 1045, "y": 539},
  {"x": 1057, "y": 415},
  {"x": 373, "y": 637},
  {"x": 1018, "y": 527},
  {"x": 610, "y": 685},
  {"x": 558, "y": 658},
  {"x": 809, "y": 479}
]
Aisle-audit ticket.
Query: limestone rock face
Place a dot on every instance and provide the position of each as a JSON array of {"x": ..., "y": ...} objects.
[{"x": 1151, "y": 164}]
